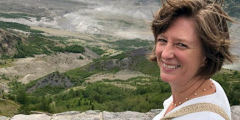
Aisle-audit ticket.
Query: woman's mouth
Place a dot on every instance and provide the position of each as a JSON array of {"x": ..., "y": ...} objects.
[{"x": 171, "y": 66}]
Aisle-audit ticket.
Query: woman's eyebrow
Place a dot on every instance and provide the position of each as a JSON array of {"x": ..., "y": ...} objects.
[
  {"x": 161, "y": 35},
  {"x": 181, "y": 40},
  {"x": 175, "y": 39}
]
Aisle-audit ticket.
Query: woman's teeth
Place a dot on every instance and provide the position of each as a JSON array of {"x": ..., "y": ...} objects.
[{"x": 171, "y": 66}]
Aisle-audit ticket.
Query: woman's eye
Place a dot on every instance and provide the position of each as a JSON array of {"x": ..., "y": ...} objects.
[
  {"x": 162, "y": 40},
  {"x": 182, "y": 45}
]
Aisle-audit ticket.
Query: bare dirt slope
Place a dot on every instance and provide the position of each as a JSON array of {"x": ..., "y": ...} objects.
[
  {"x": 121, "y": 75},
  {"x": 29, "y": 69}
]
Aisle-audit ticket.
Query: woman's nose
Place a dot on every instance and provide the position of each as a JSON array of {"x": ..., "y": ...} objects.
[{"x": 167, "y": 52}]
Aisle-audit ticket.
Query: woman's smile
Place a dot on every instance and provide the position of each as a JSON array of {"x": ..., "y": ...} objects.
[
  {"x": 170, "y": 66},
  {"x": 179, "y": 53}
]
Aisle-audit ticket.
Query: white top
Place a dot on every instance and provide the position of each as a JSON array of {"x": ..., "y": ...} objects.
[{"x": 218, "y": 98}]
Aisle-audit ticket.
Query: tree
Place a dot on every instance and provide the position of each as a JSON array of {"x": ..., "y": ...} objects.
[
  {"x": 92, "y": 108},
  {"x": 79, "y": 103},
  {"x": 24, "y": 109},
  {"x": 44, "y": 104},
  {"x": 22, "y": 97}
]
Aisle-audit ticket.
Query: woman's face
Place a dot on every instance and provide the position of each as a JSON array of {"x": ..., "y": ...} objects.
[{"x": 178, "y": 51}]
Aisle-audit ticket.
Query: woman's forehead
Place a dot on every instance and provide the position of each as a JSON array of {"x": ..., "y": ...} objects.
[{"x": 182, "y": 29}]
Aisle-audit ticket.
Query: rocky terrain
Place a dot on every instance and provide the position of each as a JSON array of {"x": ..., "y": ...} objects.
[
  {"x": 53, "y": 79},
  {"x": 235, "y": 112},
  {"x": 8, "y": 42},
  {"x": 29, "y": 69},
  {"x": 88, "y": 115},
  {"x": 97, "y": 115}
]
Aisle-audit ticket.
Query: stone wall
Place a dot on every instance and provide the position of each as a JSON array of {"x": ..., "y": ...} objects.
[
  {"x": 88, "y": 115},
  {"x": 97, "y": 115}
]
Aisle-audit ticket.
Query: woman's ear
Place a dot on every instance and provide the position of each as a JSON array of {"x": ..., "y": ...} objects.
[{"x": 204, "y": 61}]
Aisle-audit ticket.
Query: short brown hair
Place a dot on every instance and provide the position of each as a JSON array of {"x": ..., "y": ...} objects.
[{"x": 211, "y": 26}]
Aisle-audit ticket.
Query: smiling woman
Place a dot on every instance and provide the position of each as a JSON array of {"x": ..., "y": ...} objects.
[
  {"x": 191, "y": 45},
  {"x": 178, "y": 52}
]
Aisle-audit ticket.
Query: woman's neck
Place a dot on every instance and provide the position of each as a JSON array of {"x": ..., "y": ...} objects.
[
  {"x": 191, "y": 89},
  {"x": 183, "y": 92}
]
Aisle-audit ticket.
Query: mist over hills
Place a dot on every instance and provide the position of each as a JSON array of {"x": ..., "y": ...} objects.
[
  {"x": 127, "y": 19},
  {"x": 121, "y": 18}
]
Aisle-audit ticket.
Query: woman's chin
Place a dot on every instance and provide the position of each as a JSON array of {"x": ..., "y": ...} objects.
[{"x": 167, "y": 79}]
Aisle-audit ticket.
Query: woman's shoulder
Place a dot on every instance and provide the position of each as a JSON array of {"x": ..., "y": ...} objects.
[
  {"x": 218, "y": 98},
  {"x": 205, "y": 115}
]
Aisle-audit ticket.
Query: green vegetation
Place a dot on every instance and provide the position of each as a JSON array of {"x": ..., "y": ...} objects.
[
  {"x": 4, "y": 77},
  {"x": 29, "y": 103},
  {"x": 119, "y": 56},
  {"x": 119, "y": 21},
  {"x": 56, "y": 48},
  {"x": 75, "y": 49},
  {"x": 149, "y": 68},
  {"x": 5, "y": 57},
  {"x": 127, "y": 45},
  {"x": 78, "y": 75},
  {"x": 5, "y": 61},
  {"x": 7, "y": 25},
  {"x": 125, "y": 22},
  {"x": 8, "y": 108},
  {"x": 80, "y": 58},
  {"x": 230, "y": 82},
  {"x": 145, "y": 93},
  {"x": 19, "y": 15},
  {"x": 97, "y": 50},
  {"x": 72, "y": 48},
  {"x": 58, "y": 38},
  {"x": 100, "y": 96},
  {"x": 49, "y": 90},
  {"x": 149, "y": 94},
  {"x": 36, "y": 45}
]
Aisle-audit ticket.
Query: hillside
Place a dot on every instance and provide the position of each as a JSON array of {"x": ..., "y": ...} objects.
[
  {"x": 8, "y": 108},
  {"x": 79, "y": 55},
  {"x": 8, "y": 42},
  {"x": 100, "y": 85}
]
